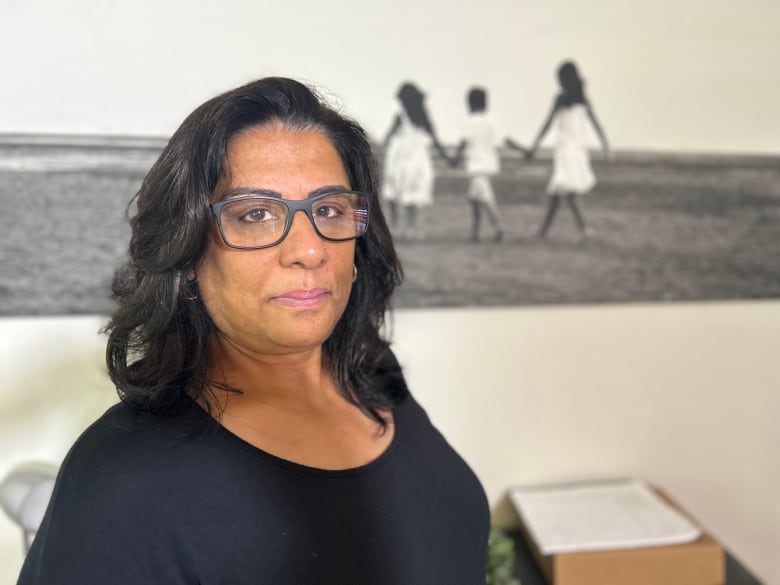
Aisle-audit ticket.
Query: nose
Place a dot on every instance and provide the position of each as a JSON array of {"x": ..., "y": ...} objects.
[{"x": 303, "y": 246}]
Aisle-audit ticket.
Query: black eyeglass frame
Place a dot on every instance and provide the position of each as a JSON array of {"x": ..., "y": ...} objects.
[{"x": 293, "y": 206}]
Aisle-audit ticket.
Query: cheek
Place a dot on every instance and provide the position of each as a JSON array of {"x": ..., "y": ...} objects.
[
  {"x": 223, "y": 280},
  {"x": 343, "y": 262}
]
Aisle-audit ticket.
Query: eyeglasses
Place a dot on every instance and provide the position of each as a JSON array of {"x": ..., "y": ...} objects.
[{"x": 257, "y": 221}]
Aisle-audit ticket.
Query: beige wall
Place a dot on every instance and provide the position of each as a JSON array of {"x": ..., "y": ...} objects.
[
  {"x": 650, "y": 67},
  {"x": 683, "y": 395}
]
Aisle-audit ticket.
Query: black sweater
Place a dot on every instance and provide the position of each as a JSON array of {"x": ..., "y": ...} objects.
[{"x": 142, "y": 499}]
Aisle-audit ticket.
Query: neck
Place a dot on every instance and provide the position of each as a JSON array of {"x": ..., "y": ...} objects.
[{"x": 293, "y": 381}]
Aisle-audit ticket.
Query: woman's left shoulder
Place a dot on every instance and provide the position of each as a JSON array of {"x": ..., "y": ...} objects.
[{"x": 411, "y": 416}]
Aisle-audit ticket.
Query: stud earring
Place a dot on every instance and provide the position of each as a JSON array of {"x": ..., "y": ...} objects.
[{"x": 191, "y": 290}]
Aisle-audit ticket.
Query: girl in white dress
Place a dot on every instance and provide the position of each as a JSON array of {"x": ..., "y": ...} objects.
[
  {"x": 408, "y": 168},
  {"x": 572, "y": 174}
]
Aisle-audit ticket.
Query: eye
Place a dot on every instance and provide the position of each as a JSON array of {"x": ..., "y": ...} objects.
[
  {"x": 334, "y": 206},
  {"x": 253, "y": 212},
  {"x": 329, "y": 210},
  {"x": 256, "y": 215}
]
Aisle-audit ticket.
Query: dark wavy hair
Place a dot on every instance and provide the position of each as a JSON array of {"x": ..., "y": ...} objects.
[
  {"x": 572, "y": 84},
  {"x": 160, "y": 334},
  {"x": 413, "y": 102}
]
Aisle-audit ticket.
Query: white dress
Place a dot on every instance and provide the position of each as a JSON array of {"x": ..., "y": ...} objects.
[
  {"x": 572, "y": 172},
  {"x": 408, "y": 168}
]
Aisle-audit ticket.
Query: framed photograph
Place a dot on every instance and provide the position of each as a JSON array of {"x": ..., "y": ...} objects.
[{"x": 681, "y": 201}]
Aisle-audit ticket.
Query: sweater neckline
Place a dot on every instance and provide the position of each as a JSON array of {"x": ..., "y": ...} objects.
[{"x": 294, "y": 466}]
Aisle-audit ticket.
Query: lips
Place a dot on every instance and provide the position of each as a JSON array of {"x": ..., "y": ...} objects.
[{"x": 302, "y": 299}]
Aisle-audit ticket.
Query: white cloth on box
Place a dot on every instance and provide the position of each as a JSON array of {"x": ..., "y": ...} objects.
[{"x": 599, "y": 516}]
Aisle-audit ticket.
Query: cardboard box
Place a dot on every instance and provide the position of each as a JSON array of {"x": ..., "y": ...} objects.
[{"x": 701, "y": 562}]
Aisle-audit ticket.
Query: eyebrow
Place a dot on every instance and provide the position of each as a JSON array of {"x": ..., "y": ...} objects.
[{"x": 262, "y": 192}]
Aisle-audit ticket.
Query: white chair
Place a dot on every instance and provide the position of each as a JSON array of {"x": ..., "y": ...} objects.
[{"x": 24, "y": 494}]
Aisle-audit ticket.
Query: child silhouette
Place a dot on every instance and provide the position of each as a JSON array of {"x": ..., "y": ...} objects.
[
  {"x": 480, "y": 147},
  {"x": 408, "y": 169},
  {"x": 572, "y": 174}
]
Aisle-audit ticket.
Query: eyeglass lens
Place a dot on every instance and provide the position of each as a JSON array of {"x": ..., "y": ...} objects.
[{"x": 263, "y": 221}]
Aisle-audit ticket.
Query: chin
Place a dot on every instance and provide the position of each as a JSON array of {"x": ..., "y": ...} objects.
[{"x": 305, "y": 340}]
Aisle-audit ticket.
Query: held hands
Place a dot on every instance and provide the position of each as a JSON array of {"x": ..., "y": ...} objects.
[
  {"x": 527, "y": 152},
  {"x": 509, "y": 143},
  {"x": 456, "y": 159}
]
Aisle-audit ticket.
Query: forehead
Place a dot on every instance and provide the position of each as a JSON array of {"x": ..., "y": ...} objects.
[
  {"x": 275, "y": 143},
  {"x": 288, "y": 160}
]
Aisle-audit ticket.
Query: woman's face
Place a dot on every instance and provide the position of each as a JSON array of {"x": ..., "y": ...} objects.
[{"x": 288, "y": 298}]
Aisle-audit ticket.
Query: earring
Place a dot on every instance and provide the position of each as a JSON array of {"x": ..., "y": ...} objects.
[
  {"x": 354, "y": 272},
  {"x": 191, "y": 286}
]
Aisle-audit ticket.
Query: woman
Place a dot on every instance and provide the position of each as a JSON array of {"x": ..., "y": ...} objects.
[{"x": 265, "y": 432}]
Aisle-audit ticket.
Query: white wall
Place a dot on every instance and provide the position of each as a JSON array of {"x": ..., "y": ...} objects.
[
  {"x": 684, "y": 395},
  {"x": 669, "y": 75},
  {"x": 52, "y": 384}
]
